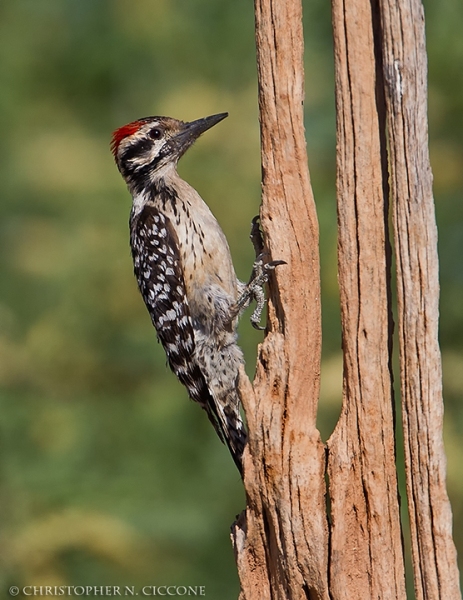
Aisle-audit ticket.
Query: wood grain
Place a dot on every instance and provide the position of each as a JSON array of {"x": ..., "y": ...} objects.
[
  {"x": 415, "y": 238},
  {"x": 288, "y": 543},
  {"x": 366, "y": 558},
  {"x": 282, "y": 541}
]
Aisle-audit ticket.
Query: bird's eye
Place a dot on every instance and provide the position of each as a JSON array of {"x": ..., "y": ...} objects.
[{"x": 155, "y": 134}]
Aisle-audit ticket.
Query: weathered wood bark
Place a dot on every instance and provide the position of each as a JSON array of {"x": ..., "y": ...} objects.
[
  {"x": 281, "y": 542},
  {"x": 286, "y": 544},
  {"x": 366, "y": 559},
  {"x": 415, "y": 238}
]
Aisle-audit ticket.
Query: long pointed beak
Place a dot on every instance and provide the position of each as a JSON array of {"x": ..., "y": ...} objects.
[
  {"x": 196, "y": 128},
  {"x": 192, "y": 130}
]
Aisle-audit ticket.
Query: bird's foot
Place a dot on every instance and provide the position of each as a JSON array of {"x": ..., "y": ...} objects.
[{"x": 254, "y": 290}]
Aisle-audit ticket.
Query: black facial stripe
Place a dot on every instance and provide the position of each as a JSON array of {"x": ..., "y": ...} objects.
[
  {"x": 139, "y": 175},
  {"x": 135, "y": 149}
]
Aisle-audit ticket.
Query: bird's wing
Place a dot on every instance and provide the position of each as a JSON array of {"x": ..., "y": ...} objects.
[{"x": 158, "y": 269}]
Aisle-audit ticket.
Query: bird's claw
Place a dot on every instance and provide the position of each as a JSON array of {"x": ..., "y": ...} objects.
[{"x": 254, "y": 290}]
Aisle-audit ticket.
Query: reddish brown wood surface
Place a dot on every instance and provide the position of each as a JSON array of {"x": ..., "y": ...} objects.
[
  {"x": 286, "y": 545},
  {"x": 281, "y": 542},
  {"x": 415, "y": 237},
  {"x": 366, "y": 558}
]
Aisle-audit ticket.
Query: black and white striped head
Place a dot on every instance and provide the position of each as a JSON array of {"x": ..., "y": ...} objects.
[{"x": 147, "y": 146}]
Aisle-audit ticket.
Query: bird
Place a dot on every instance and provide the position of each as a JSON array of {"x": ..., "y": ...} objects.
[{"x": 184, "y": 269}]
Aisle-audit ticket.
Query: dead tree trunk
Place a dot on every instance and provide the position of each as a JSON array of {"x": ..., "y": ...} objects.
[
  {"x": 285, "y": 465},
  {"x": 287, "y": 546},
  {"x": 415, "y": 239},
  {"x": 361, "y": 458}
]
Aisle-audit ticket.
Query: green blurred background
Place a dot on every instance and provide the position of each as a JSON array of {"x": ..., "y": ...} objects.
[{"x": 109, "y": 474}]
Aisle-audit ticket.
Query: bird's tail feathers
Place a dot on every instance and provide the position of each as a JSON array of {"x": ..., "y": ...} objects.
[{"x": 226, "y": 419}]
